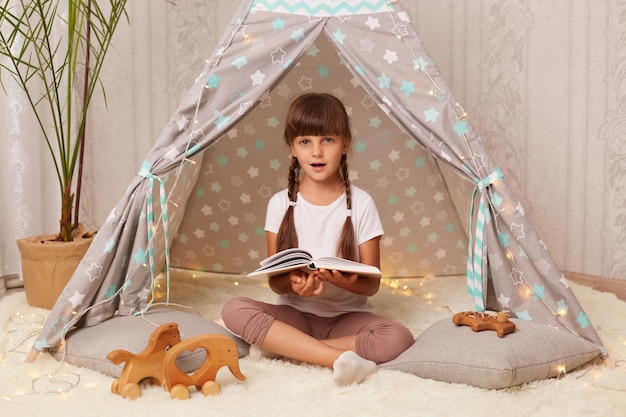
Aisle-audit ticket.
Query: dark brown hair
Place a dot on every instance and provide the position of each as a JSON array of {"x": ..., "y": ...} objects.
[{"x": 317, "y": 114}]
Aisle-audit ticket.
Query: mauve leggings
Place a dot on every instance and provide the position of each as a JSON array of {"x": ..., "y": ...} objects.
[{"x": 378, "y": 339}]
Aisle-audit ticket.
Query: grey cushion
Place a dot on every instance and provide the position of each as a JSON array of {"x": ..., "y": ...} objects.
[
  {"x": 450, "y": 353},
  {"x": 88, "y": 346}
]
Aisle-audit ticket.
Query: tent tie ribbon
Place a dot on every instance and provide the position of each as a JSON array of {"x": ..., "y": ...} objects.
[
  {"x": 151, "y": 228},
  {"x": 489, "y": 180},
  {"x": 476, "y": 259}
]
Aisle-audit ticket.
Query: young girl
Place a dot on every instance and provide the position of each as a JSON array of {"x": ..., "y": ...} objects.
[{"x": 322, "y": 317}]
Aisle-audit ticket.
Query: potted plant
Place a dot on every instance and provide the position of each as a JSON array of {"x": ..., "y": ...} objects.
[{"x": 55, "y": 55}]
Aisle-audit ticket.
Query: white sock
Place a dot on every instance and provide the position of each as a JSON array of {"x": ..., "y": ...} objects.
[
  {"x": 256, "y": 352},
  {"x": 350, "y": 368}
]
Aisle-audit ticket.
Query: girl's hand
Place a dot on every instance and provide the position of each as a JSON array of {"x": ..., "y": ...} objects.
[
  {"x": 306, "y": 285},
  {"x": 337, "y": 278}
]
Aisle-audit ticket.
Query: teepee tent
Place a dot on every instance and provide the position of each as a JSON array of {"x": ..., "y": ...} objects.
[{"x": 198, "y": 200}]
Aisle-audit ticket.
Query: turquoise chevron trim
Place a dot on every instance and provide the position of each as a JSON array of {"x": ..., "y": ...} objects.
[{"x": 324, "y": 8}]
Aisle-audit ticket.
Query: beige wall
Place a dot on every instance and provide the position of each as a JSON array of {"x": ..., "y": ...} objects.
[{"x": 541, "y": 81}]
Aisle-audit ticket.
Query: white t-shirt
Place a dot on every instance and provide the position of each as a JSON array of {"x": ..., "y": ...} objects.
[{"x": 318, "y": 229}]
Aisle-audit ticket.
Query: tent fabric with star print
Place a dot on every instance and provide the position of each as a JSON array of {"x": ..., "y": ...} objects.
[{"x": 198, "y": 200}]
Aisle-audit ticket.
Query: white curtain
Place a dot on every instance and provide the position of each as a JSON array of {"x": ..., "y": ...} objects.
[
  {"x": 27, "y": 204},
  {"x": 21, "y": 183},
  {"x": 29, "y": 190}
]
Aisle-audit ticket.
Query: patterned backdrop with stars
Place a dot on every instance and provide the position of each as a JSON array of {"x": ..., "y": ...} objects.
[{"x": 225, "y": 215}]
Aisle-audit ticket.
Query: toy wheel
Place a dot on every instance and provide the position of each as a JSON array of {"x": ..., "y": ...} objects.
[
  {"x": 179, "y": 392},
  {"x": 115, "y": 386},
  {"x": 131, "y": 390},
  {"x": 211, "y": 388}
]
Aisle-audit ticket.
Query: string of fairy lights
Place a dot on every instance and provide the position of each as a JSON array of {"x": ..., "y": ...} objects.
[
  {"x": 26, "y": 328},
  {"x": 528, "y": 290},
  {"x": 60, "y": 381},
  {"x": 190, "y": 149},
  {"x": 160, "y": 221},
  {"x": 20, "y": 333},
  {"x": 23, "y": 328}
]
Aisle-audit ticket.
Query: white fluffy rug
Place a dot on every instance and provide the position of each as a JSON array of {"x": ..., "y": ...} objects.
[{"x": 281, "y": 388}]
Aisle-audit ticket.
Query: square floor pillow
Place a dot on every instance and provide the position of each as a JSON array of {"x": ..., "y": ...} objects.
[
  {"x": 450, "y": 353},
  {"x": 88, "y": 347}
]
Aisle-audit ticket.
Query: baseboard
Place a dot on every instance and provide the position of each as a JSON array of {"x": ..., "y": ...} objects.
[
  {"x": 603, "y": 284},
  {"x": 12, "y": 281}
]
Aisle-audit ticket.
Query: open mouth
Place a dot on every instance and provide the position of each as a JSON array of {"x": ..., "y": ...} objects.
[{"x": 318, "y": 165}]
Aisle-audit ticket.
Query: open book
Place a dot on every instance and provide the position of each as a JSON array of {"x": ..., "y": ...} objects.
[{"x": 291, "y": 259}]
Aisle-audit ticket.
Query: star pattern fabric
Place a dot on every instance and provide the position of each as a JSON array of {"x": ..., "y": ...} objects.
[{"x": 220, "y": 158}]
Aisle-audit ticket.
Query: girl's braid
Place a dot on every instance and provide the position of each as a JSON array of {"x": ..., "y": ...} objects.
[
  {"x": 287, "y": 236},
  {"x": 346, "y": 180},
  {"x": 294, "y": 179},
  {"x": 346, "y": 246}
]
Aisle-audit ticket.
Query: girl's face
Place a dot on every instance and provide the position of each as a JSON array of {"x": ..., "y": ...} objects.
[{"x": 319, "y": 156}]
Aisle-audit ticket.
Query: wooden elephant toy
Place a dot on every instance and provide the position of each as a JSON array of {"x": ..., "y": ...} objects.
[
  {"x": 157, "y": 362},
  {"x": 221, "y": 351},
  {"x": 147, "y": 364}
]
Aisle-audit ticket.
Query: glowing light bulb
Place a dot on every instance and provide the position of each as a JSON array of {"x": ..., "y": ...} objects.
[
  {"x": 34, "y": 374},
  {"x": 525, "y": 292}
]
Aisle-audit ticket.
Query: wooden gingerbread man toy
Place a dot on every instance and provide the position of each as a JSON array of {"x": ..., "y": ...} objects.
[{"x": 479, "y": 321}]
